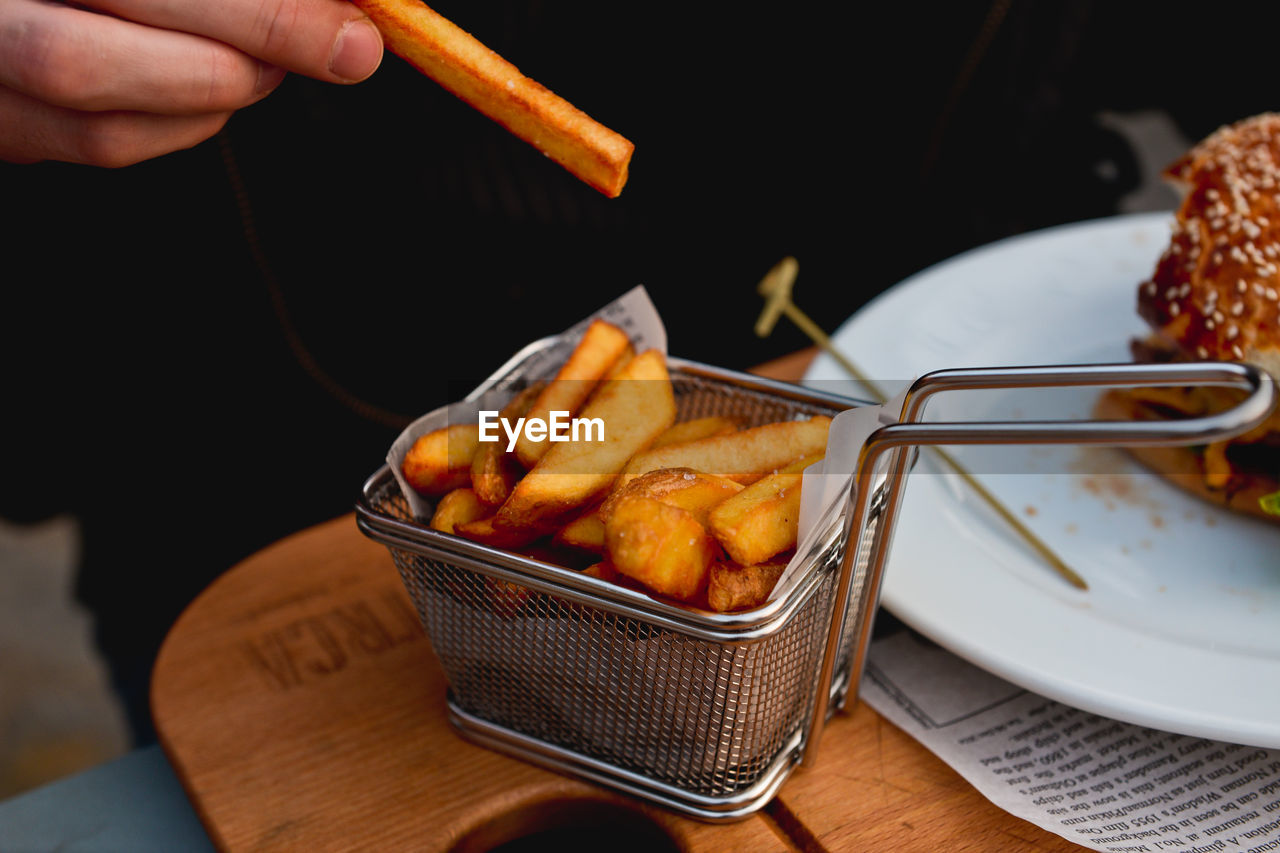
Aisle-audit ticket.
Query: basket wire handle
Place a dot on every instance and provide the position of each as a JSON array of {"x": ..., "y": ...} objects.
[{"x": 896, "y": 441}]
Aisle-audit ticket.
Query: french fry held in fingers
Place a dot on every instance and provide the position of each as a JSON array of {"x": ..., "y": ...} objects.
[
  {"x": 661, "y": 546},
  {"x": 684, "y": 488},
  {"x": 760, "y": 521},
  {"x": 494, "y": 472},
  {"x": 440, "y": 461},
  {"x": 460, "y": 63},
  {"x": 635, "y": 408},
  {"x": 696, "y": 429},
  {"x": 733, "y": 587},
  {"x": 602, "y": 344},
  {"x": 743, "y": 456},
  {"x": 458, "y": 507}
]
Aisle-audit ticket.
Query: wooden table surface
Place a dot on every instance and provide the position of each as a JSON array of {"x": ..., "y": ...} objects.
[{"x": 299, "y": 701}]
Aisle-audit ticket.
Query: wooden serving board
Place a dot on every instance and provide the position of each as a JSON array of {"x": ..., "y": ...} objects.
[{"x": 300, "y": 703}]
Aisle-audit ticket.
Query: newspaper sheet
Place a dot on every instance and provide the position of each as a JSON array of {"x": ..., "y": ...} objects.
[{"x": 1104, "y": 784}]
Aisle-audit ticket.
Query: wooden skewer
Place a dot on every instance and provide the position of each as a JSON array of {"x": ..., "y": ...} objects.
[{"x": 776, "y": 288}]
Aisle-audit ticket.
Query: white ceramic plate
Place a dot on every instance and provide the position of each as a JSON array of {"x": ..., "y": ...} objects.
[{"x": 1180, "y": 629}]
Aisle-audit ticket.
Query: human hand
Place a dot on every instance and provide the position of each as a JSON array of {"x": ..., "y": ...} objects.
[{"x": 113, "y": 82}]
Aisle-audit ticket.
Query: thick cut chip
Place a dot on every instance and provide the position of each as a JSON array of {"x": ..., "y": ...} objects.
[
  {"x": 685, "y": 488},
  {"x": 601, "y": 346},
  {"x": 440, "y": 461},
  {"x": 494, "y": 472},
  {"x": 458, "y": 507},
  {"x": 460, "y": 63},
  {"x": 620, "y": 362},
  {"x": 759, "y": 521},
  {"x": 695, "y": 429},
  {"x": 661, "y": 546},
  {"x": 635, "y": 408},
  {"x": 799, "y": 465},
  {"x": 585, "y": 532},
  {"x": 483, "y": 531},
  {"x": 602, "y": 570},
  {"x": 734, "y": 587},
  {"x": 743, "y": 456}
]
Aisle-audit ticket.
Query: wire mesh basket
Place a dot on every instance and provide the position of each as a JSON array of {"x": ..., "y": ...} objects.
[
  {"x": 708, "y": 713},
  {"x": 701, "y": 711}
]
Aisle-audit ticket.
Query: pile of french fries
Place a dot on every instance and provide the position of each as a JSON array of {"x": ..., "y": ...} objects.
[{"x": 704, "y": 511}]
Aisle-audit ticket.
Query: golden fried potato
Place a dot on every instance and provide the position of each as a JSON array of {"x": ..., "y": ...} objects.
[
  {"x": 440, "y": 461},
  {"x": 507, "y": 599},
  {"x": 759, "y": 521},
  {"x": 685, "y": 488},
  {"x": 482, "y": 530},
  {"x": 661, "y": 546},
  {"x": 494, "y": 472},
  {"x": 457, "y": 61},
  {"x": 601, "y": 346},
  {"x": 743, "y": 456},
  {"x": 734, "y": 587},
  {"x": 635, "y": 408},
  {"x": 585, "y": 532},
  {"x": 458, "y": 507},
  {"x": 621, "y": 362},
  {"x": 695, "y": 429},
  {"x": 602, "y": 570},
  {"x": 799, "y": 465}
]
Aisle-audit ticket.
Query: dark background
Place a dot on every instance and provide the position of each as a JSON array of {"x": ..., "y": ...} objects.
[{"x": 211, "y": 350}]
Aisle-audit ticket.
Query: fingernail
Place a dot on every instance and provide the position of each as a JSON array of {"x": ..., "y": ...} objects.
[
  {"x": 269, "y": 76},
  {"x": 357, "y": 53}
]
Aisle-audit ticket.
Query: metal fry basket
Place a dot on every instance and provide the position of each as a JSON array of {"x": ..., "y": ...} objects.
[{"x": 707, "y": 713}]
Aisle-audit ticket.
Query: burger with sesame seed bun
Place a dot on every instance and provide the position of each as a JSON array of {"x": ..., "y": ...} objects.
[{"x": 1215, "y": 295}]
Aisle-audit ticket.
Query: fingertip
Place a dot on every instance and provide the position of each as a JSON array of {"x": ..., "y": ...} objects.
[
  {"x": 357, "y": 51},
  {"x": 269, "y": 77}
]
